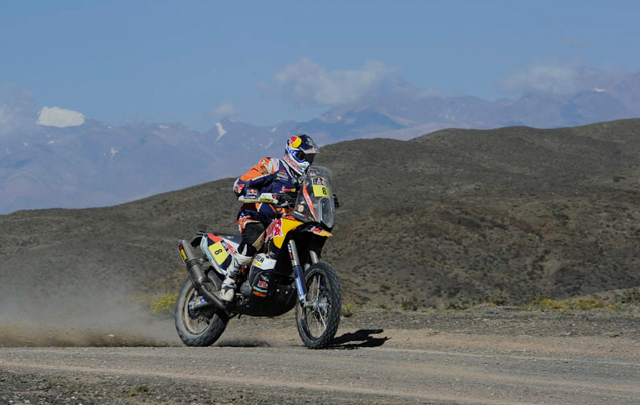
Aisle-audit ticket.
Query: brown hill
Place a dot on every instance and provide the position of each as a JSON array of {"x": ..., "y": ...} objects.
[{"x": 449, "y": 217}]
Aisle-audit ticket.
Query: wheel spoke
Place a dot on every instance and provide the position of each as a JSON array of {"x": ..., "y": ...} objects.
[
  {"x": 318, "y": 319},
  {"x": 318, "y": 312},
  {"x": 197, "y": 326},
  {"x": 322, "y": 321},
  {"x": 194, "y": 325}
]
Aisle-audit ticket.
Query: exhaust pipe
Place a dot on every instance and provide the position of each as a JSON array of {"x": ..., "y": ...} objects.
[{"x": 197, "y": 276}]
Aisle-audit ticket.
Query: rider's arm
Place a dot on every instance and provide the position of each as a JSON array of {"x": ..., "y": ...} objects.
[{"x": 257, "y": 177}]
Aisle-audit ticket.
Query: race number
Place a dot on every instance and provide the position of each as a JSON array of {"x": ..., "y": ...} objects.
[
  {"x": 321, "y": 191},
  {"x": 219, "y": 252}
]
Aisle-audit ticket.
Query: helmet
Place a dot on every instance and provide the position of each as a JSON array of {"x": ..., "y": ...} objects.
[{"x": 299, "y": 153}]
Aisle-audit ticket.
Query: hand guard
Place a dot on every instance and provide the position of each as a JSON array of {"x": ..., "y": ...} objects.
[
  {"x": 285, "y": 200},
  {"x": 282, "y": 200},
  {"x": 268, "y": 198}
]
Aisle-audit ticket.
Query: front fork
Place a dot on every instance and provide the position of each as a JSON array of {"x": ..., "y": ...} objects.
[{"x": 298, "y": 271}]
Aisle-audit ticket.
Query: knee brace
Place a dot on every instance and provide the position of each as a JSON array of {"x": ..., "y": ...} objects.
[{"x": 252, "y": 239}]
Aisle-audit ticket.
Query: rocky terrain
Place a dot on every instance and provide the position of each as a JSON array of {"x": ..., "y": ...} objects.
[
  {"x": 516, "y": 211},
  {"x": 449, "y": 219},
  {"x": 446, "y": 246}
]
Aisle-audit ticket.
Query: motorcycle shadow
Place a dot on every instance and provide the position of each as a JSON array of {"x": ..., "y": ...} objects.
[{"x": 363, "y": 336}]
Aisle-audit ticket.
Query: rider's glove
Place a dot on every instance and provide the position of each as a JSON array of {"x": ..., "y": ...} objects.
[
  {"x": 284, "y": 200},
  {"x": 336, "y": 203}
]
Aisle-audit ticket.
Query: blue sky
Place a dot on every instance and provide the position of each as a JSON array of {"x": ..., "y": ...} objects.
[{"x": 262, "y": 62}]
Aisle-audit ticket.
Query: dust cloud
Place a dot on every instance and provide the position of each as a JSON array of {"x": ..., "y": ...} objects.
[{"x": 87, "y": 316}]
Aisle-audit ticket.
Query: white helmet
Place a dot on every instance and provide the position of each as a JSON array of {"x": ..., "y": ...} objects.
[{"x": 300, "y": 152}]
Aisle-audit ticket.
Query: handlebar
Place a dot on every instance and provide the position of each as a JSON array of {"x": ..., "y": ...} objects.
[
  {"x": 268, "y": 198},
  {"x": 282, "y": 200}
]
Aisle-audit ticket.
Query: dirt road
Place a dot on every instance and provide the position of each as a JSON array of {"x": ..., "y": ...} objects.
[{"x": 410, "y": 365}]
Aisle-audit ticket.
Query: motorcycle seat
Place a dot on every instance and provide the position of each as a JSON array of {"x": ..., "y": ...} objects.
[{"x": 233, "y": 238}]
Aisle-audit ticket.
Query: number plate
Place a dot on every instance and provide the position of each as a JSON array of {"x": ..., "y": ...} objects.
[
  {"x": 321, "y": 191},
  {"x": 219, "y": 252}
]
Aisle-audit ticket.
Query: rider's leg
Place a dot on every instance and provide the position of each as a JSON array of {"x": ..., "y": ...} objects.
[{"x": 252, "y": 241}]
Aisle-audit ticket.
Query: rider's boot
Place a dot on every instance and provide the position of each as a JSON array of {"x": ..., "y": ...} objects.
[{"x": 229, "y": 284}]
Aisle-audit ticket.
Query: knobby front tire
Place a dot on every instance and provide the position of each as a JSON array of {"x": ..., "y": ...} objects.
[{"x": 318, "y": 323}]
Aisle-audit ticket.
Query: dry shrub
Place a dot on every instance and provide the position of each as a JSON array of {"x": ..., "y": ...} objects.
[
  {"x": 629, "y": 297},
  {"x": 580, "y": 304},
  {"x": 408, "y": 304},
  {"x": 165, "y": 305},
  {"x": 347, "y": 310}
]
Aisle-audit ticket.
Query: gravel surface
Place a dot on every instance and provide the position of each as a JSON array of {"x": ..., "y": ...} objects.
[{"x": 480, "y": 356}]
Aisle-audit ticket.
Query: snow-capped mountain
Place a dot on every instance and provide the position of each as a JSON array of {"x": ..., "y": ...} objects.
[{"x": 61, "y": 158}]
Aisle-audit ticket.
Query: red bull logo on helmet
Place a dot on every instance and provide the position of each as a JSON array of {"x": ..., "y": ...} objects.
[{"x": 295, "y": 141}]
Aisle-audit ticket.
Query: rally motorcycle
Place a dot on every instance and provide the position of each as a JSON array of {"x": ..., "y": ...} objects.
[{"x": 286, "y": 273}]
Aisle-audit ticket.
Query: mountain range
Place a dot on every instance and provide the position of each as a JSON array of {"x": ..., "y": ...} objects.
[
  {"x": 91, "y": 164},
  {"x": 447, "y": 219}
]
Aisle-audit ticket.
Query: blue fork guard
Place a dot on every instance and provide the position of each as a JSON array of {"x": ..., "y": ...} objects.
[{"x": 300, "y": 284}]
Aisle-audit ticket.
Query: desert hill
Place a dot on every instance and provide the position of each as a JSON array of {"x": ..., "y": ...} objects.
[
  {"x": 515, "y": 212},
  {"x": 446, "y": 218}
]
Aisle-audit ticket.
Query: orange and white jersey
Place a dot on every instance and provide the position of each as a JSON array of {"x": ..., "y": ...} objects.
[{"x": 270, "y": 175}]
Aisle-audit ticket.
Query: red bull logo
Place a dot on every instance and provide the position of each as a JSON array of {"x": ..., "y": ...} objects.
[
  {"x": 295, "y": 141},
  {"x": 275, "y": 230}
]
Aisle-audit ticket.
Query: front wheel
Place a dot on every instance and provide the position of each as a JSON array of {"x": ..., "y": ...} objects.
[
  {"x": 319, "y": 317},
  {"x": 198, "y": 327}
]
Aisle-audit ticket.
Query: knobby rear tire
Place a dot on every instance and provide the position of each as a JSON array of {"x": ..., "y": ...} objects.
[
  {"x": 331, "y": 295},
  {"x": 184, "y": 323}
]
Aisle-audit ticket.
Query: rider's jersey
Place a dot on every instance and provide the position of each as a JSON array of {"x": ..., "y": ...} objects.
[{"x": 270, "y": 175}]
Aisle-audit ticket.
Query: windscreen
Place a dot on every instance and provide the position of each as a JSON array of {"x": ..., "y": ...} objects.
[{"x": 315, "y": 200}]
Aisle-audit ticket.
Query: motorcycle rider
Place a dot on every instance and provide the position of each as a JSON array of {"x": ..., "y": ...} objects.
[{"x": 270, "y": 175}]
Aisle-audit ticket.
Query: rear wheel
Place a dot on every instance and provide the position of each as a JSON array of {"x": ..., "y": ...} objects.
[
  {"x": 319, "y": 317},
  {"x": 198, "y": 327}
]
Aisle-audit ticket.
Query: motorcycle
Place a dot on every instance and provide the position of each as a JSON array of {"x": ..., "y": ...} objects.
[{"x": 287, "y": 272}]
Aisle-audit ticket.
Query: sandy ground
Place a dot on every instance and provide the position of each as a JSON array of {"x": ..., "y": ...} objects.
[{"x": 485, "y": 356}]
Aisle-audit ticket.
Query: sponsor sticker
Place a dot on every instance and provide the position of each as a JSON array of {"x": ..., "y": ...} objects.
[
  {"x": 295, "y": 141},
  {"x": 321, "y": 232},
  {"x": 299, "y": 288},
  {"x": 275, "y": 230},
  {"x": 258, "y": 261},
  {"x": 308, "y": 200},
  {"x": 251, "y": 193},
  {"x": 237, "y": 188}
]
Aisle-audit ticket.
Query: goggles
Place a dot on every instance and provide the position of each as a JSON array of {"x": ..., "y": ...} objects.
[{"x": 300, "y": 156}]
